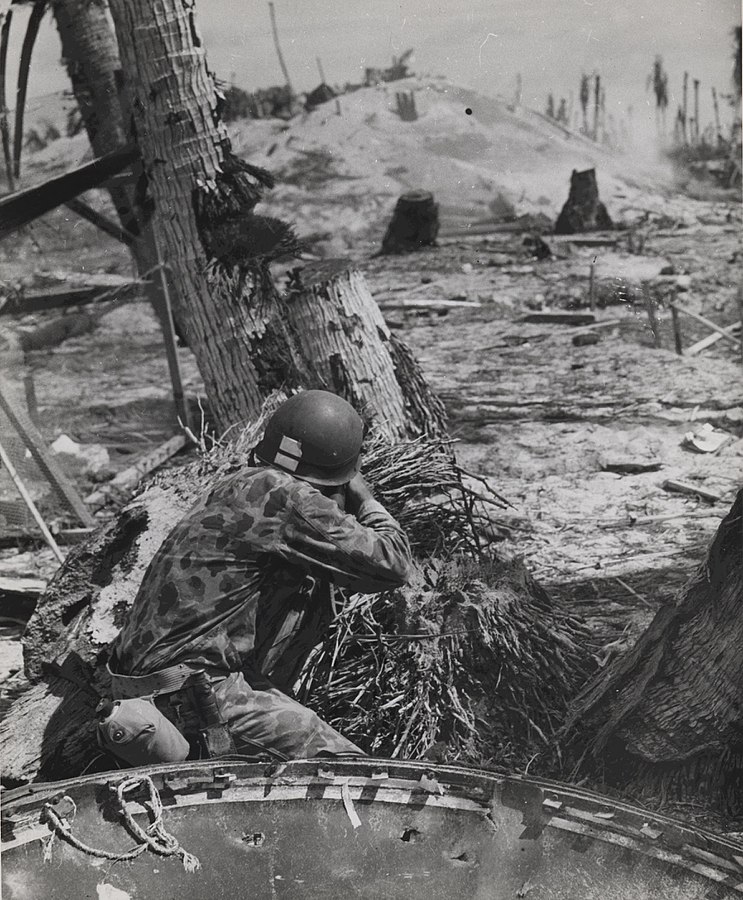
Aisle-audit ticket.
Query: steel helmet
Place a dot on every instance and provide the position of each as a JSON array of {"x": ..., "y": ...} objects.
[{"x": 316, "y": 436}]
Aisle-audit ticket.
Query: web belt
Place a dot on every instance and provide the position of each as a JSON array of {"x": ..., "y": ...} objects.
[{"x": 164, "y": 681}]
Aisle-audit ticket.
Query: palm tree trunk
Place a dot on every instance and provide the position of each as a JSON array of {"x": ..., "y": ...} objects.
[
  {"x": 667, "y": 714},
  {"x": 216, "y": 250}
]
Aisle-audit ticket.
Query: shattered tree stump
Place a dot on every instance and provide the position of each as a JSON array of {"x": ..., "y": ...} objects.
[
  {"x": 414, "y": 224},
  {"x": 666, "y": 716},
  {"x": 337, "y": 328},
  {"x": 583, "y": 211}
]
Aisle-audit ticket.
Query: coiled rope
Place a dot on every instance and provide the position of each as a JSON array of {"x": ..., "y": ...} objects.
[{"x": 154, "y": 837}]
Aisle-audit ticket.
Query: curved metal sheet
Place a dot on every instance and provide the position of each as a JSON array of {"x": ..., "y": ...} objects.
[{"x": 364, "y": 828}]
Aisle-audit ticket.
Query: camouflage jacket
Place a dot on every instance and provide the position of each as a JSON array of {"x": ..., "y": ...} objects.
[{"x": 245, "y": 580}]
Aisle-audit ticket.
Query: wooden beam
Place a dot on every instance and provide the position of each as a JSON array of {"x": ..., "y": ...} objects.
[
  {"x": 22, "y": 207},
  {"x": 34, "y": 442},
  {"x": 24, "y": 67},
  {"x": 62, "y": 298},
  {"x": 127, "y": 480},
  {"x": 85, "y": 211},
  {"x": 708, "y": 322},
  {"x": 560, "y": 318}
]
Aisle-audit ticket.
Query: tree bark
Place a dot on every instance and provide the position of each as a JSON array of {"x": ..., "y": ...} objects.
[
  {"x": 338, "y": 329},
  {"x": 91, "y": 58},
  {"x": 668, "y": 714}
]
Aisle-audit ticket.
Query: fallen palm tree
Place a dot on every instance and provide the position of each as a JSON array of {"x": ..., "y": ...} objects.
[
  {"x": 471, "y": 662},
  {"x": 472, "y": 655}
]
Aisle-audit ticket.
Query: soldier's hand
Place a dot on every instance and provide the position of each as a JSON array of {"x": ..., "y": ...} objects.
[{"x": 356, "y": 493}]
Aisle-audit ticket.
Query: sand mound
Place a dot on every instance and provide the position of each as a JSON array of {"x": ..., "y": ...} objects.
[{"x": 341, "y": 173}]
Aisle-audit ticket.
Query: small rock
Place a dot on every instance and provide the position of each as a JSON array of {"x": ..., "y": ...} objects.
[
  {"x": 586, "y": 339},
  {"x": 467, "y": 268},
  {"x": 426, "y": 279},
  {"x": 667, "y": 270}
]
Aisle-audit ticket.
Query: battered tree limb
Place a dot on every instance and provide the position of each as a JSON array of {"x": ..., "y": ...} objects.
[{"x": 667, "y": 716}]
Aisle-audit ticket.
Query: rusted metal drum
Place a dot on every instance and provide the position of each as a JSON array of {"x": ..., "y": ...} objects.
[{"x": 364, "y": 828}]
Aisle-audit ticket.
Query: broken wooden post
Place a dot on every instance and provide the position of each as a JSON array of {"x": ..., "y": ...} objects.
[
  {"x": 414, "y": 224},
  {"x": 685, "y": 107},
  {"x": 696, "y": 110},
  {"x": 676, "y": 329},
  {"x": 652, "y": 317},
  {"x": 592, "y": 285},
  {"x": 583, "y": 211},
  {"x": 406, "y": 106},
  {"x": 340, "y": 333}
]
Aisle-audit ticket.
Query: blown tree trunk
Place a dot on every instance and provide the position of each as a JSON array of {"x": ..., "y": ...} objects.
[
  {"x": 216, "y": 249},
  {"x": 91, "y": 57},
  {"x": 666, "y": 717}
]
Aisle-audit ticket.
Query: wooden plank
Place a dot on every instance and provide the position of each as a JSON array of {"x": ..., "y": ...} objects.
[
  {"x": 582, "y": 240},
  {"x": 683, "y": 487},
  {"x": 34, "y": 442},
  {"x": 128, "y": 479},
  {"x": 103, "y": 223},
  {"x": 708, "y": 322},
  {"x": 560, "y": 318},
  {"x": 710, "y": 339},
  {"x": 22, "y": 207},
  {"x": 61, "y": 298},
  {"x": 402, "y": 303},
  {"x": 20, "y": 585}
]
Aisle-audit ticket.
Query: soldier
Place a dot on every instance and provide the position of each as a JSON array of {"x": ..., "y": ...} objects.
[{"x": 243, "y": 586}]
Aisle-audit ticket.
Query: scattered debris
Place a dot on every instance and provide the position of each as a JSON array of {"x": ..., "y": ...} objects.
[
  {"x": 705, "y": 439},
  {"x": 92, "y": 457}
]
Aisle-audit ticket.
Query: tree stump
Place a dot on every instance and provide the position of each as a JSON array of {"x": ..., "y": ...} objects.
[
  {"x": 666, "y": 716},
  {"x": 337, "y": 328},
  {"x": 583, "y": 211},
  {"x": 414, "y": 224}
]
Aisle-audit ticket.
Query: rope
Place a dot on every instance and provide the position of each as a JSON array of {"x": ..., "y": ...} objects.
[{"x": 154, "y": 837}]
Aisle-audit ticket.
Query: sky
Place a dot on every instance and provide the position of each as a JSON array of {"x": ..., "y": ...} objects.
[{"x": 479, "y": 43}]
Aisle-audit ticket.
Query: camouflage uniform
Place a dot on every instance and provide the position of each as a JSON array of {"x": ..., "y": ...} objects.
[{"x": 243, "y": 587}]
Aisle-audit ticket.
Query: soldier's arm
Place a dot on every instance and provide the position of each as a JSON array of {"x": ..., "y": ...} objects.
[{"x": 366, "y": 552}]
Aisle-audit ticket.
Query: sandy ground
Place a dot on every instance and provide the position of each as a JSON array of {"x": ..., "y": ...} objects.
[{"x": 535, "y": 417}]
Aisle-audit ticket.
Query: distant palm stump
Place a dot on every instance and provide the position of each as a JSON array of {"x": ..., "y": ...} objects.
[
  {"x": 583, "y": 210},
  {"x": 415, "y": 223}
]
